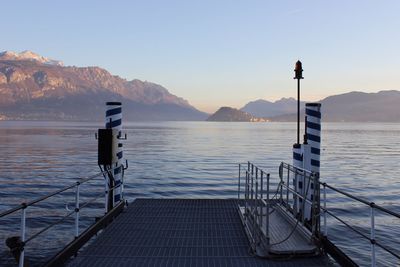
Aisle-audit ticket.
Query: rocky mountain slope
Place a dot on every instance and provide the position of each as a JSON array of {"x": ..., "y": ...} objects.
[{"x": 34, "y": 87}]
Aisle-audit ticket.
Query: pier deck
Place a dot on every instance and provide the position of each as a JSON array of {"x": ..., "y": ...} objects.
[
  {"x": 286, "y": 237},
  {"x": 178, "y": 232}
]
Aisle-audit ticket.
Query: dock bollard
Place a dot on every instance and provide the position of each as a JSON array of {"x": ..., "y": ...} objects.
[{"x": 114, "y": 121}]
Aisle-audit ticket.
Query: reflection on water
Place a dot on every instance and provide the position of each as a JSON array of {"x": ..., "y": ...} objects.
[{"x": 192, "y": 160}]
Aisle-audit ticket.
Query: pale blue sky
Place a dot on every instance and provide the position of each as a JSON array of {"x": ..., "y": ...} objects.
[{"x": 216, "y": 53}]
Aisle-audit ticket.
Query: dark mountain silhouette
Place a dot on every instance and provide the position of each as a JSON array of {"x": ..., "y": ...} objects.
[{"x": 232, "y": 114}]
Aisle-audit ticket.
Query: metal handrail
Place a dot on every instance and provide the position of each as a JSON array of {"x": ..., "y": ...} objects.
[
  {"x": 40, "y": 199},
  {"x": 23, "y": 207},
  {"x": 254, "y": 199},
  {"x": 364, "y": 201},
  {"x": 258, "y": 205},
  {"x": 66, "y": 216},
  {"x": 312, "y": 178},
  {"x": 372, "y": 206}
]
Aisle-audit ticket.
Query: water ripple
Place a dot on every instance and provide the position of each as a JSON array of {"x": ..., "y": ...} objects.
[{"x": 193, "y": 160}]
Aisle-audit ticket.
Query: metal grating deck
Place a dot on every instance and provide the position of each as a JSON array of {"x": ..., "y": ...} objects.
[
  {"x": 281, "y": 228},
  {"x": 177, "y": 232}
]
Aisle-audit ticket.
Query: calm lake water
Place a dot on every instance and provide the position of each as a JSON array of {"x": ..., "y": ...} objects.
[{"x": 193, "y": 160}]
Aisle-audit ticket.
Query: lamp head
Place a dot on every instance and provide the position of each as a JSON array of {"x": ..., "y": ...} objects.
[{"x": 298, "y": 69}]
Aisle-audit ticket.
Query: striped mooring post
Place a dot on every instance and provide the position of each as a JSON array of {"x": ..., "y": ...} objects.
[
  {"x": 312, "y": 154},
  {"x": 307, "y": 156},
  {"x": 114, "y": 121},
  {"x": 313, "y": 133}
]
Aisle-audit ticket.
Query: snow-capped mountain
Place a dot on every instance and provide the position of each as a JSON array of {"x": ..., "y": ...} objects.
[
  {"x": 33, "y": 88},
  {"x": 29, "y": 55}
]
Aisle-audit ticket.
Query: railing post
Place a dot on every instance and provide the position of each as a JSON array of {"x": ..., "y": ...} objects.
[
  {"x": 106, "y": 198},
  {"x": 281, "y": 183},
  {"x": 239, "y": 184},
  {"x": 246, "y": 194},
  {"x": 296, "y": 206},
  {"x": 287, "y": 191},
  {"x": 256, "y": 203},
  {"x": 304, "y": 197},
  {"x": 373, "y": 260},
  {"x": 252, "y": 188},
  {"x": 77, "y": 209},
  {"x": 262, "y": 185},
  {"x": 297, "y": 198},
  {"x": 247, "y": 185},
  {"x": 23, "y": 233},
  {"x": 252, "y": 198},
  {"x": 267, "y": 214},
  {"x": 261, "y": 198},
  {"x": 325, "y": 223}
]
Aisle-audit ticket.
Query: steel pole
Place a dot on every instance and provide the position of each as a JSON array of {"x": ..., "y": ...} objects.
[
  {"x": 298, "y": 111},
  {"x": 325, "y": 224},
  {"x": 23, "y": 233},
  {"x": 77, "y": 210},
  {"x": 373, "y": 258},
  {"x": 239, "y": 184}
]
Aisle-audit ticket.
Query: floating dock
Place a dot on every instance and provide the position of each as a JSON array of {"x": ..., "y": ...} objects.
[{"x": 179, "y": 232}]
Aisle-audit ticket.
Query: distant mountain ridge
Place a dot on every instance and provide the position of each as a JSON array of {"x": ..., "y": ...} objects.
[
  {"x": 266, "y": 109},
  {"x": 383, "y": 106},
  {"x": 32, "y": 87}
]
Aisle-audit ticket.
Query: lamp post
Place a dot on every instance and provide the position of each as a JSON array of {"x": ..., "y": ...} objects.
[{"x": 298, "y": 75}]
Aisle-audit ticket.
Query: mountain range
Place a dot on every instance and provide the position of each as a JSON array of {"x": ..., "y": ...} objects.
[
  {"x": 34, "y": 87},
  {"x": 382, "y": 106},
  {"x": 267, "y": 109}
]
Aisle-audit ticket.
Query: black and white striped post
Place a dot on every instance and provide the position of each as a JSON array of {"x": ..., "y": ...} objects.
[
  {"x": 114, "y": 121},
  {"x": 313, "y": 133},
  {"x": 312, "y": 154}
]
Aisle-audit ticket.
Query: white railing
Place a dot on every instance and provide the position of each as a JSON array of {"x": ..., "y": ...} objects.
[
  {"x": 256, "y": 195},
  {"x": 372, "y": 236},
  {"x": 256, "y": 201},
  {"x": 301, "y": 197},
  {"x": 23, "y": 207}
]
